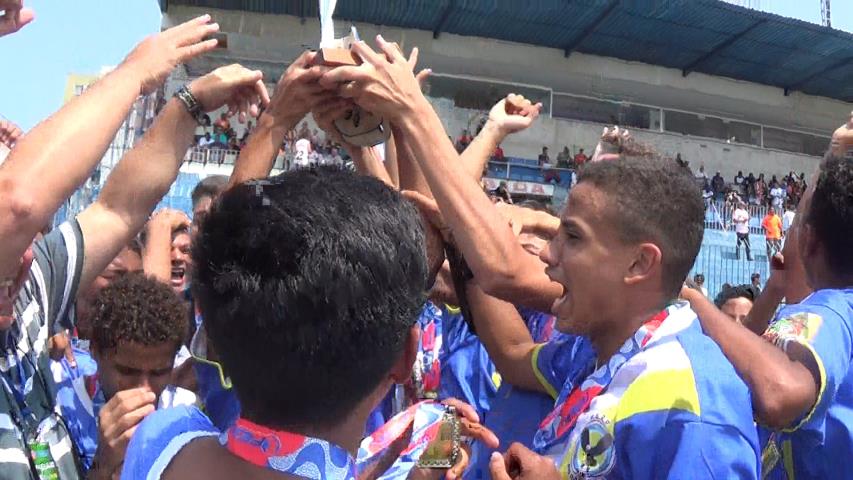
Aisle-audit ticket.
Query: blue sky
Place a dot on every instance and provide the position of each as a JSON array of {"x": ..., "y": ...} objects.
[{"x": 82, "y": 36}]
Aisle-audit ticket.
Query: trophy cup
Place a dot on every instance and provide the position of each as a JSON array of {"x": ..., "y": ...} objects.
[{"x": 358, "y": 127}]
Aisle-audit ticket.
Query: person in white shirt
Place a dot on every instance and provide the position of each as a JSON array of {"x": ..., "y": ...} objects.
[
  {"x": 205, "y": 140},
  {"x": 740, "y": 219},
  {"x": 788, "y": 218},
  {"x": 777, "y": 194},
  {"x": 303, "y": 149},
  {"x": 700, "y": 174}
]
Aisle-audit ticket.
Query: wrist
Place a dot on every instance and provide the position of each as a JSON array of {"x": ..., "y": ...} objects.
[{"x": 493, "y": 131}]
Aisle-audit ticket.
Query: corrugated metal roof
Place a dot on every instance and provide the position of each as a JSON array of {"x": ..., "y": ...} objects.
[{"x": 706, "y": 36}]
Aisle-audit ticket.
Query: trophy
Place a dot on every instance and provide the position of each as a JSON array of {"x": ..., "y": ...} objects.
[{"x": 358, "y": 127}]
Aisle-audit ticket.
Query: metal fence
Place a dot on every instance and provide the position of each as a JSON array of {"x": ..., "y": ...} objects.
[
  {"x": 718, "y": 216},
  {"x": 719, "y": 264}
]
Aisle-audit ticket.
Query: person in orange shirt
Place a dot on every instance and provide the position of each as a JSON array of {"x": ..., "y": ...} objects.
[{"x": 773, "y": 232}]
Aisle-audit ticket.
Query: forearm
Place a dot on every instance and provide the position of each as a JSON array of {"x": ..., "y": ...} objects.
[
  {"x": 485, "y": 239},
  {"x": 411, "y": 176},
  {"x": 782, "y": 389},
  {"x": 156, "y": 256},
  {"x": 764, "y": 307},
  {"x": 391, "y": 164},
  {"x": 139, "y": 181},
  {"x": 145, "y": 174},
  {"x": 505, "y": 336},
  {"x": 368, "y": 163},
  {"x": 476, "y": 156},
  {"x": 256, "y": 159},
  {"x": 54, "y": 158}
]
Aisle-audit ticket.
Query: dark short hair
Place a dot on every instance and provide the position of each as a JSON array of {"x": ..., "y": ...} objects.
[
  {"x": 830, "y": 213},
  {"x": 310, "y": 280},
  {"x": 139, "y": 309},
  {"x": 745, "y": 291},
  {"x": 653, "y": 199},
  {"x": 210, "y": 186}
]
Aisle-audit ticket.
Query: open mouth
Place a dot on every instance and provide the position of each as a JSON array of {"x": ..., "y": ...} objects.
[{"x": 178, "y": 276}]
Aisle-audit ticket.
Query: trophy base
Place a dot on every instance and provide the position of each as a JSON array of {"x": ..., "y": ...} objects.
[{"x": 336, "y": 57}]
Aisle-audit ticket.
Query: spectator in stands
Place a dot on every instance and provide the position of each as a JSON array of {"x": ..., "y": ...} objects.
[
  {"x": 203, "y": 128},
  {"x": 502, "y": 192},
  {"x": 719, "y": 186},
  {"x": 564, "y": 158},
  {"x": 749, "y": 188},
  {"x": 760, "y": 190},
  {"x": 700, "y": 174},
  {"x": 498, "y": 154},
  {"x": 736, "y": 302},
  {"x": 707, "y": 192},
  {"x": 777, "y": 196},
  {"x": 223, "y": 123},
  {"x": 739, "y": 178},
  {"x": 740, "y": 219},
  {"x": 138, "y": 325},
  {"x": 773, "y": 182},
  {"x": 544, "y": 159},
  {"x": 788, "y": 217},
  {"x": 463, "y": 141},
  {"x": 205, "y": 141},
  {"x": 755, "y": 280},
  {"x": 699, "y": 280},
  {"x": 772, "y": 225},
  {"x": 580, "y": 158}
]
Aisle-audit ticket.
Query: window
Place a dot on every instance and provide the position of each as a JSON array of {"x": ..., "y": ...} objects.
[
  {"x": 607, "y": 112},
  {"x": 795, "y": 141},
  {"x": 712, "y": 127}
]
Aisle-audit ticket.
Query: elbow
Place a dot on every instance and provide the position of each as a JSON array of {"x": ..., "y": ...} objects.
[
  {"x": 20, "y": 207},
  {"x": 782, "y": 406}
]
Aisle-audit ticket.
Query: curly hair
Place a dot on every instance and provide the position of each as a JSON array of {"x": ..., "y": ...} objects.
[
  {"x": 135, "y": 308},
  {"x": 831, "y": 212},
  {"x": 727, "y": 293}
]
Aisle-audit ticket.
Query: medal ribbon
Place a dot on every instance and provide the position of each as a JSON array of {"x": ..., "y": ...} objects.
[
  {"x": 574, "y": 401},
  {"x": 289, "y": 453}
]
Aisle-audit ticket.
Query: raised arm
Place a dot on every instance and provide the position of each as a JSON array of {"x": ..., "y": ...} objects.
[
  {"x": 512, "y": 114},
  {"x": 157, "y": 251},
  {"x": 296, "y": 93},
  {"x": 783, "y": 385},
  {"x": 57, "y": 156},
  {"x": 497, "y": 259},
  {"x": 506, "y": 338},
  {"x": 144, "y": 175}
]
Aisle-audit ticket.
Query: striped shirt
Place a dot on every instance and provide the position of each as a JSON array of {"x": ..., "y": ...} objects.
[{"x": 24, "y": 366}]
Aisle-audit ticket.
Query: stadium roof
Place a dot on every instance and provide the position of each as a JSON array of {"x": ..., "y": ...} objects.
[{"x": 707, "y": 36}]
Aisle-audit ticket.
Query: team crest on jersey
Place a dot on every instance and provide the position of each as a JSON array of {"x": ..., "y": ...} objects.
[
  {"x": 594, "y": 450},
  {"x": 803, "y": 326}
]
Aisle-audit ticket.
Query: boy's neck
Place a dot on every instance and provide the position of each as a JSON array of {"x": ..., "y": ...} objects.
[{"x": 610, "y": 341}]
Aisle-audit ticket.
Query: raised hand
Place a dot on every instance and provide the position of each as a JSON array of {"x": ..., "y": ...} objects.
[
  {"x": 116, "y": 424},
  {"x": 327, "y": 111},
  {"x": 9, "y": 133},
  {"x": 384, "y": 84},
  {"x": 15, "y": 17},
  {"x": 514, "y": 114},
  {"x": 170, "y": 219},
  {"x": 156, "y": 56},
  {"x": 243, "y": 90},
  {"x": 298, "y": 90}
]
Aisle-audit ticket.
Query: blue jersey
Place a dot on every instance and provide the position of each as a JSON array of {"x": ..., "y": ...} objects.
[
  {"x": 75, "y": 402},
  {"x": 820, "y": 444},
  {"x": 673, "y": 407},
  {"x": 467, "y": 372}
]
